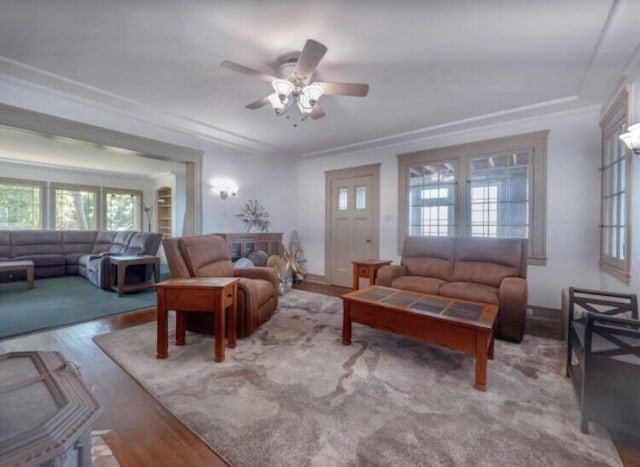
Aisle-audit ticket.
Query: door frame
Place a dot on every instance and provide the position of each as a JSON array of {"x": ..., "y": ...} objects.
[{"x": 372, "y": 170}]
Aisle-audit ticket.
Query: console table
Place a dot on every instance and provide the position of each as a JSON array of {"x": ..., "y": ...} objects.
[{"x": 241, "y": 244}]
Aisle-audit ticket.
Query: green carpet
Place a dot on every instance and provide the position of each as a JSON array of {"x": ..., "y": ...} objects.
[{"x": 60, "y": 301}]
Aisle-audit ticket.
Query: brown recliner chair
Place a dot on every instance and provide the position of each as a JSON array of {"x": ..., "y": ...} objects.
[{"x": 209, "y": 256}]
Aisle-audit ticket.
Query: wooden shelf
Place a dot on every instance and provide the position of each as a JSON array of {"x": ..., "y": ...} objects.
[{"x": 164, "y": 210}]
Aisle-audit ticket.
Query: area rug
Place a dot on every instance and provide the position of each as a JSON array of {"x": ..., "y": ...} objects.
[
  {"x": 101, "y": 454},
  {"x": 292, "y": 394},
  {"x": 60, "y": 301}
]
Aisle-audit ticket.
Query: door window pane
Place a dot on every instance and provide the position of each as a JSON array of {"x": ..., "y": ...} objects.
[
  {"x": 361, "y": 197},
  {"x": 343, "y": 198}
]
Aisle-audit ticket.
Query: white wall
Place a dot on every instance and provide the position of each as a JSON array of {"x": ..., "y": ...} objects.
[
  {"x": 270, "y": 180},
  {"x": 572, "y": 207}
]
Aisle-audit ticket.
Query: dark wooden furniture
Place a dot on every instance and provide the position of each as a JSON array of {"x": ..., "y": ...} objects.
[
  {"x": 457, "y": 324},
  {"x": 118, "y": 274},
  {"x": 603, "y": 358},
  {"x": 46, "y": 411},
  {"x": 241, "y": 244},
  {"x": 367, "y": 269},
  {"x": 18, "y": 266},
  {"x": 196, "y": 295}
]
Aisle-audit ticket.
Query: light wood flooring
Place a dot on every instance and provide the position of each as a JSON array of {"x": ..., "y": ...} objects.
[{"x": 144, "y": 433}]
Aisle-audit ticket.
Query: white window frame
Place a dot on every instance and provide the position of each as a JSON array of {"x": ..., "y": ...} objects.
[
  {"x": 138, "y": 208},
  {"x": 31, "y": 183},
  {"x": 54, "y": 187},
  {"x": 533, "y": 144},
  {"x": 615, "y": 260}
]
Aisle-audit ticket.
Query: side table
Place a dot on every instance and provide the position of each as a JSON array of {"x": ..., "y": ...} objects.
[
  {"x": 121, "y": 263},
  {"x": 46, "y": 411},
  {"x": 197, "y": 295},
  {"x": 367, "y": 269},
  {"x": 15, "y": 266}
]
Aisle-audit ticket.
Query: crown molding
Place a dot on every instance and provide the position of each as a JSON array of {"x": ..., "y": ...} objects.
[
  {"x": 567, "y": 104},
  {"x": 59, "y": 87}
]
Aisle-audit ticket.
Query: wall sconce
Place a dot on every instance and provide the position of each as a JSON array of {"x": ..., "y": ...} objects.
[
  {"x": 224, "y": 188},
  {"x": 632, "y": 138}
]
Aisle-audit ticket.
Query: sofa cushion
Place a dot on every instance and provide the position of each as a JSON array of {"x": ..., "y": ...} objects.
[
  {"x": 470, "y": 291},
  {"x": 5, "y": 244},
  {"x": 144, "y": 243},
  {"x": 207, "y": 256},
  {"x": 428, "y": 285},
  {"x": 487, "y": 260},
  {"x": 35, "y": 242},
  {"x": 104, "y": 239},
  {"x": 433, "y": 258},
  {"x": 120, "y": 242}
]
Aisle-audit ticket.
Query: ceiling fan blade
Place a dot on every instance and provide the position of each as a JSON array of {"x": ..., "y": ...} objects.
[
  {"x": 345, "y": 89},
  {"x": 317, "y": 113},
  {"x": 312, "y": 53},
  {"x": 247, "y": 71},
  {"x": 259, "y": 103}
]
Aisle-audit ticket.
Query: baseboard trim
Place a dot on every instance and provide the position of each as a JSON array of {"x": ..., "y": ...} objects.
[{"x": 316, "y": 279}]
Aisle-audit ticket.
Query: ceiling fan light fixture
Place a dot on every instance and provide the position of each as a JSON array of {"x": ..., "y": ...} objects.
[
  {"x": 311, "y": 94},
  {"x": 283, "y": 89}
]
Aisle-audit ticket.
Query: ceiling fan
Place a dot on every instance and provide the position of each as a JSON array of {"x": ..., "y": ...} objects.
[{"x": 295, "y": 85}]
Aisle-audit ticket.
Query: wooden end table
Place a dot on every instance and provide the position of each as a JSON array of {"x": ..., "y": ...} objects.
[
  {"x": 15, "y": 266},
  {"x": 121, "y": 263},
  {"x": 197, "y": 295},
  {"x": 367, "y": 269}
]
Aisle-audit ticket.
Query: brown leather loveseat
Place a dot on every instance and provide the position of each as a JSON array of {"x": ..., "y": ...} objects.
[
  {"x": 489, "y": 270},
  {"x": 209, "y": 256}
]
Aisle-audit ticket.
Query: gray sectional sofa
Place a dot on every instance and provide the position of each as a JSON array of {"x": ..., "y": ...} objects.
[{"x": 83, "y": 252}]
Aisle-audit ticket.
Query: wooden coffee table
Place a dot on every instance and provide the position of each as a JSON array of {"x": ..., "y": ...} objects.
[{"x": 457, "y": 324}]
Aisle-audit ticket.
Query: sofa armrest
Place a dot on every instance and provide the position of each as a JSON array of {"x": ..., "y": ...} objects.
[
  {"x": 512, "y": 308},
  {"x": 386, "y": 274},
  {"x": 267, "y": 274}
]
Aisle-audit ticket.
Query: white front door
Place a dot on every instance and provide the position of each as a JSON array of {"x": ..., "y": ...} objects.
[{"x": 353, "y": 228}]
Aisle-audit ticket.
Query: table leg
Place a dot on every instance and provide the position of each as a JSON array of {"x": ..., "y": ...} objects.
[
  {"x": 233, "y": 315},
  {"x": 180, "y": 327},
  {"x": 156, "y": 270},
  {"x": 162, "y": 337},
  {"x": 482, "y": 349},
  {"x": 346, "y": 323},
  {"x": 219, "y": 313},
  {"x": 356, "y": 277},
  {"x": 493, "y": 339},
  {"x": 122, "y": 269},
  {"x": 30, "y": 276}
]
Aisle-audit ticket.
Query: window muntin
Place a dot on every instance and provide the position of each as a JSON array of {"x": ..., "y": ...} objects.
[
  {"x": 499, "y": 196},
  {"x": 123, "y": 209},
  {"x": 21, "y": 205},
  {"x": 75, "y": 208},
  {"x": 497, "y": 189},
  {"x": 615, "y": 192},
  {"x": 432, "y": 199}
]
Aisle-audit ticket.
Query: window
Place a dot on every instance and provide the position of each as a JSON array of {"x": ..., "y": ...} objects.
[
  {"x": 74, "y": 207},
  {"x": 21, "y": 205},
  {"x": 123, "y": 209},
  {"x": 614, "y": 221},
  {"x": 493, "y": 188}
]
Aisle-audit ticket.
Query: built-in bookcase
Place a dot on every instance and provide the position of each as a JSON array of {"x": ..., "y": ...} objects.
[{"x": 164, "y": 202}]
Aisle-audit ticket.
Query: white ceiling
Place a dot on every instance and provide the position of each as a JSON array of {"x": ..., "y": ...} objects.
[{"x": 429, "y": 63}]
